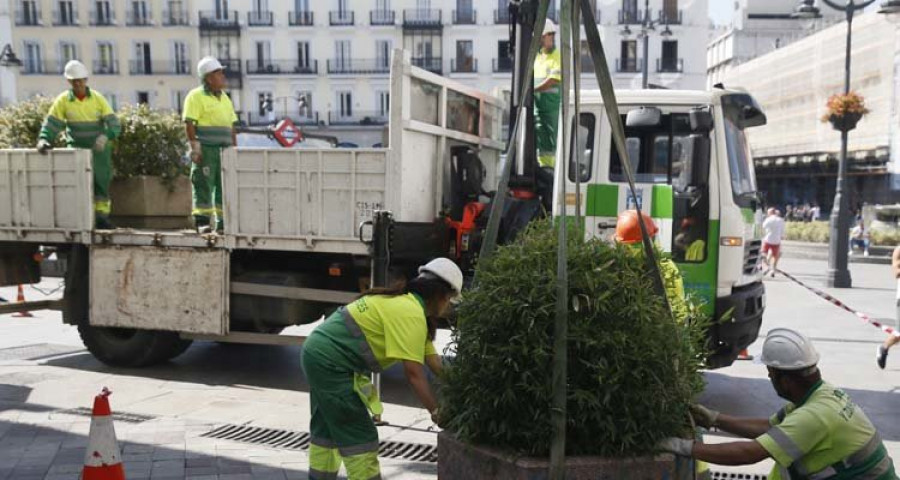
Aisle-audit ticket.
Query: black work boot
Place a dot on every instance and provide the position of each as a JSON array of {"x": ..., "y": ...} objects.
[{"x": 201, "y": 222}]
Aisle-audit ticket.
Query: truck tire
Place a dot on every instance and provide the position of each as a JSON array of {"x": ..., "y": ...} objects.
[{"x": 127, "y": 347}]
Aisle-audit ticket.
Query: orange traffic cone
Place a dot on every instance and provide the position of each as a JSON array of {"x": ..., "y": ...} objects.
[
  {"x": 102, "y": 461},
  {"x": 744, "y": 355},
  {"x": 20, "y": 298}
]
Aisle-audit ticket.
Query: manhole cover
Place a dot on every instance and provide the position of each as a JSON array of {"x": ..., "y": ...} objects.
[
  {"x": 295, "y": 440},
  {"x": 37, "y": 351}
]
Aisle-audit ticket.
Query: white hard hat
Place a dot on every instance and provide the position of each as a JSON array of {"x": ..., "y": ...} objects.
[
  {"x": 549, "y": 27},
  {"x": 75, "y": 70},
  {"x": 208, "y": 65},
  {"x": 446, "y": 270},
  {"x": 786, "y": 349}
]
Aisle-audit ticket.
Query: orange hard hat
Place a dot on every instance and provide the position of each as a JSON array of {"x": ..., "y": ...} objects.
[{"x": 628, "y": 230}]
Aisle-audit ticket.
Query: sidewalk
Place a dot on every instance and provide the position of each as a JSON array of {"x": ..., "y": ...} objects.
[{"x": 819, "y": 251}]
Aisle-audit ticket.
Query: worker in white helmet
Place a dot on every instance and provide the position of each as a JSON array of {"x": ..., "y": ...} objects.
[
  {"x": 820, "y": 434},
  {"x": 547, "y": 96},
  {"x": 89, "y": 122},
  {"x": 209, "y": 119}
]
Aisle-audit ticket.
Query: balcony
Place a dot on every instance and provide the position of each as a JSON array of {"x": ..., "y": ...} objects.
[
  {"x": 357, "y": 118},
  {"x": 630, "y": 17},
  {"x": 281, "y": 67},
  {"x": 300, "y": 19},
  {"x": 175, "y": 18},
  {"x": 671, "y": 17},
  {"x": 465, "y": 17},
  {"x": 422, "y": 18},
  {"x": 311, "y": 119},
  {"x": 669, "y": 65},
  {"x": 28, "y": 17},
  {"x": 501, "y": 17},
  {"x": 260, "y": 19},
  {"x": 628, "y": 65},
  {"x": 32, "y": 67},
  {"x": 141, "y": 67},
  {"x": 341, "y": 18},
  {"x": 102, "y": 18},
  {"x": 358, "y": 66},
  {"x": 221, "y": 20},
  {"x": 65, "y": 18},
  {"x": 139, "y": 18},
  {"x": 382, "y": 17},
  {"x": 106, "y": 67},
  {"x": 232, "y": 72},
  {"x": 432, "y": 64},
  {"x": 503, "y": 65},
  {"x": 464, "y": 65}
]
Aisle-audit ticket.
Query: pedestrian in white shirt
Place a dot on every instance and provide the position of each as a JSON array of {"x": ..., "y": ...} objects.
[{"x": 771, "y": 247}]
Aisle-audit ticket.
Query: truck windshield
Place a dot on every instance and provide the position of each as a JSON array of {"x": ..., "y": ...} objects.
[
  {"x": 653, "y": 151},
  {"x": 740, "y": 162}
]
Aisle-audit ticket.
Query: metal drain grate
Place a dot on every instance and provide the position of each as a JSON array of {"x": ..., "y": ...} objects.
[
  {"x": 737, "y": 476},
  {"x": 117, "y": 416},
  {"x": 294, "y": 440}
]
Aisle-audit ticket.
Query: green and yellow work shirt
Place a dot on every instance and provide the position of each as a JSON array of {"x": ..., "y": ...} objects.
[
  {"x": 825, "y": 436},
  {"x": 82, "y": 119},
  {"x": 394, "y": 327},
  {"x": 548, "y": 65},
  {"x": 213, "y": 115}
]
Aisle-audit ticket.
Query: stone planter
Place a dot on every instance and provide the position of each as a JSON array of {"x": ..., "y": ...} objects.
[
  {"x": 145, "y": 202},
  {"x": 846, "y": 122},
  {"x": 461, "y": 461}
]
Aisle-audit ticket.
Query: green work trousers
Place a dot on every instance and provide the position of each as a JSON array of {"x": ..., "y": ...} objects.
[
  {"x": 546, "y": 122},
  {"x": 101, "y": 163},
  {"x": 341, "y": 428},
  {"x": 206, "y": 180}
]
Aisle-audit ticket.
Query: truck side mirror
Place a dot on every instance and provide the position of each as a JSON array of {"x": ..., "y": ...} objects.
[
  {"x": 643, "y": 117},
  {"x": 701, "y": 120},
  {"x": 699, "y": 172}
]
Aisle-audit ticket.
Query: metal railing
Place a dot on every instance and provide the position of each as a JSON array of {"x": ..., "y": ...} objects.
[
  {"x": 226, "y": 19},
  {"x": 432, "y": 64},
  {"x": 300, "y": 19},
  {"x": 501, "y": 16},
  {"x": 139, "y": 18},
  {"x": 106, "y": 68},
  {"x": 465, "y": 17},
  {"x": 464, "y": 65},
  {"x": 357, "y": 118},
  {"x": 29, "y": 16},
  {"x": 669, "y": 65},
  {"x": 44, "y": 67},
  {"x": 502, "y": 65},
  {"x": 628, "y": 65},
  {"x": 141, "y": 67},
  {"x": 422, "y": 17},
  {"x": 340, "y": 18},
  {"x": 671, "y": 18},
  {"x": 65, "y": 18},
  {"x": 358, "y": 66},
  {"x": 260, "y": 19},
  {"x": 382, "y": 17},
  {"x": 630, "y": 17},
  {"x": 174, "y": 18},
  {"x": 311, "y": 119},
  {"x": 281, "y": 67},
  {"x": 102, "y": 17}
]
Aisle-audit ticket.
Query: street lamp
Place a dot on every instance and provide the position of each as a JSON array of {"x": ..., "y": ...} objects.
[
  {"x": 8, "y": 57},
  {"x": 648, "y": 26},
  {"x": 838, "y": 275}
]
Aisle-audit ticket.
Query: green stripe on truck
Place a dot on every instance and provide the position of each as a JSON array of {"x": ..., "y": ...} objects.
[
  {"x": 700, "y": 278},
  {"x": 602, "y": 200},
  {"x": 661, "y": 204}
]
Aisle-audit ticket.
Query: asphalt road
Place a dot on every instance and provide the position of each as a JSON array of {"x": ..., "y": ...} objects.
[{"x": 45, "y": 372}]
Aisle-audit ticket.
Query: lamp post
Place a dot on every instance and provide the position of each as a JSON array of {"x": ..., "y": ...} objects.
[
  {"x": 7, "y": 59},
  {"x": 838, "y": 275},
  {"x": 647, "y": 26}
]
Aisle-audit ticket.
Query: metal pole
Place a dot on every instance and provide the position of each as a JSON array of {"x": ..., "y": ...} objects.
[
  {"x": 645, "y": 31},
  {"x": 381, "y": 260}
]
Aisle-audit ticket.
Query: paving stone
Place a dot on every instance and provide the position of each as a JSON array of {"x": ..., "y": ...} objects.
[
  {"x": 236, "y": 476},
  {"x": 196, "y": 471},
  {"x": 63, "y": 476},
  {"x": 55, "y": 469},
  {"x": 209, "y": 461},
  {"x": 137, "y": 457},
  {"x": 202, "y": 477},
  {"x": 168, "y": 464}
]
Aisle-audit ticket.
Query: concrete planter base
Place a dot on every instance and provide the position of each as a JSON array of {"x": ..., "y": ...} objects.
[
  {"x": 461, "y": 461},
  {"x": 145, "y": 202}
]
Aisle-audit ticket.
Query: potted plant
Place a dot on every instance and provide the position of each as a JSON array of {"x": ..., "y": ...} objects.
[
  {"x": 632, "y": 370},
  {"x": 150, "y": 187},
  {"x": 844, "y": 111}
]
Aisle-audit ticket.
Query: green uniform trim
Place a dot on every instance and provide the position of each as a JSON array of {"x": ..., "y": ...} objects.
[
  {"x": 602, "y": 200},
  {"x": 661, "y": 201}
]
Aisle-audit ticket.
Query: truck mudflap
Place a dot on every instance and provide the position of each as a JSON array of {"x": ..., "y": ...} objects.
[{"x": 740, "y": 318}]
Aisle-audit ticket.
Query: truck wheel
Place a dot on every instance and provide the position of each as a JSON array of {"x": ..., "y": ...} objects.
[{"x": 127, "y": 347}]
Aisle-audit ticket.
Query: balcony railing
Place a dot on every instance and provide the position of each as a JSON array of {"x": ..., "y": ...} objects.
[
  {"x": 422, "y": 17},
  {"x": 671, "y": 18},
  {"x": 353, "y": 66},
  {"x": 670, "y": 65},
  {"x": 432, "y": 64},
  {"x": 65, "y": 18},
  {"x": 502, "y": 65},
  {"x": 46, "y": 67},
  {"x": 223, "y": 20},
  {"x": 628, "y": 65},
  {"x": 311, "y": 119},
  {"x": 260, "y": 19},
  {"x": 382, "y": 17},
  {"x": 139, "y": 18},
  {"x": 140, "y": 67},
  {"x": 106, "y": 68},
  {"x": 465, "y": 17},
  {"x": 300, "y": 19},
  {"x": 340, "y": 18},
  {"x": 464, "y": 65},
  {"x": 26, "y": 17},
  {"x": 501, "y": 16},
  {"x": 357, "y": 118},
  {"x": 281, "y": 67},
  {"x": 175, "y": 18},
  {"x": 103, "y": 17},
  {"x": 630, "y": 17}
]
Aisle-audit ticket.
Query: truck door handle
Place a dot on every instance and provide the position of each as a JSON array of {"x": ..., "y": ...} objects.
[{"x": 605, "y": 225}]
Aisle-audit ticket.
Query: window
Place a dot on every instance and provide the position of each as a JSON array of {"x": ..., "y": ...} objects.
[
  {"x": 628, "y": 59},
  {"x": 652, "y": 151},
  {"x": 382, "y": 5},
  {"x": 113, "y": 100},
  {"x": 584, "y": 163},
  {"x": 305, "y": 107},
  {"x": 105, "y": 59},
  {"x": 143, "y": 98},
  {"x": 178, "y": 100},
  {"x": 384, "y": 103},
  {"x": 266, "y": 106},
  {"x": 630, "y": 10},
  {"x": 66, "y": 13},
  {"x": 670, "y": 10},
  {"x": 743, "y": 180},
  {"x": 301, "y": 5},
  {"x": 260, "y": 5},
  {"x": 465, "y": 60},
  {"x": 223, "y": 49},
  {"x": 142, "y": 57},
  {"x": 343, "y": 9},
  {"x": 587, "y": 62},
  {"x": 102, "y": 13},
  {"x": 33, "y": 58},
  {"x": 383, "y": 54},
  {"x": 222, "y": 9},
  {"x": 669, "y": 60},
  {"x": 140, "y": 14},
  {"x": 28, "y": 13},
  {"x": 67, "y": 51},
  {"x": 504, "y": 62},
  {"x": 303, "y": 60},
  {"x": 342, "y": 54},
  {"x": 345, "y": 104},
  {"x": 264, "y": 55},
  {"x": 182, "y": 64}
]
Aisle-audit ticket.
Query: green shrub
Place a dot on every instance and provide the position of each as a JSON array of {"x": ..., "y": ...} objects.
[
  {"x": 20, "y": 123},
  {"x": 890, "y": 239},
  {"x": 632, "y": 371},
  {"x": 152, "y": 142},
  {"x": 816, "y": 232}
]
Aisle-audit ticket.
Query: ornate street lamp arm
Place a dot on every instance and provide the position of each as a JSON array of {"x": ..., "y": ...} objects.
[{"x": 851, "y": 5}]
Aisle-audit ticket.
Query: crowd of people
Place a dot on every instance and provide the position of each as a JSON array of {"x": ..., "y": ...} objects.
[{"x": 802, "y": 213}]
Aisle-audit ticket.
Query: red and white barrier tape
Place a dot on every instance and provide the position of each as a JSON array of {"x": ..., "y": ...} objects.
[{"x": 862, "y": 316}]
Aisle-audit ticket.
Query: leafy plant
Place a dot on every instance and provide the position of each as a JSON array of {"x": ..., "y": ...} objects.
[
  {"x": 20, "y": 123},
  {"x": 839, "y": 105},
  {"x": 817, "y": 232},
  {"x": 152, "y": 143},
  {"x": 632, "y": 371}
]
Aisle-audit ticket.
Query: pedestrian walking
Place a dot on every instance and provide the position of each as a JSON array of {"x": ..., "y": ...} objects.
[
  {"x": 771, "y": 248},
  {"x": 89, "y": 123},
  {"x": 209, "y": 120},
  {"x": 381, "y": 328},
  {"x": 819, "y": 434},
  {"x": 547, "y": 95},
  {"x": 891, "y": 340}
]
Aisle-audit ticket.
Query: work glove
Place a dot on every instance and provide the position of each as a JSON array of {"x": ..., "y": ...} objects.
[
  {"x": 704, "y": 417},
  {"x": 196, "y": 154},
  {"x": 100, "y": 143},
  {"x": 43, "y": 146},
  {"x": 679, "y": 446}
]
